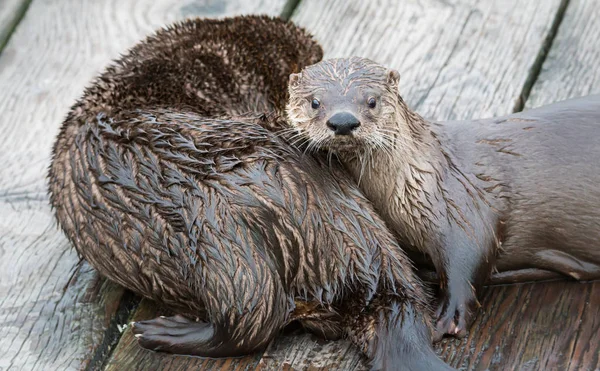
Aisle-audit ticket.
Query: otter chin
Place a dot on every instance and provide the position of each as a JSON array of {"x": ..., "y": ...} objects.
[{"x": 457, "y": 191}]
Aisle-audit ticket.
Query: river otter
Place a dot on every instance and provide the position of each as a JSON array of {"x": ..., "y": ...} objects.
[
  {"x": 169, "y": 178},
  {"x": 517, "y": 194}
]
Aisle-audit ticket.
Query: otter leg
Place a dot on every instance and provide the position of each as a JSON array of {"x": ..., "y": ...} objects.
[
  {"x": 246, "y": 306},
  {"x": 463, "y": 266},
  {"x": 394, "y": 335}
]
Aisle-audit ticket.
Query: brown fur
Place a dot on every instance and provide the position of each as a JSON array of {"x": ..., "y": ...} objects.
[{"x": 169, "y": 179}]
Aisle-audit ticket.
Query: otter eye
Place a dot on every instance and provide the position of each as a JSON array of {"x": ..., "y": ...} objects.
[
  {"x": 315, "y": 104},
  {"x": 371, "y": 102}
]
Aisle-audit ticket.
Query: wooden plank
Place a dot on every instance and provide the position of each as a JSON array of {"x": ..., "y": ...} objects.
[
  {"x": 46, "y": 321},
  {"x": 301, "y": 351},
  {"x": 11, "y": 12},
  {"x": 458, "y": 59},
  {"x": 55, "y": 313},
  {"x": 542, "y": 326},
  {"x": 571, "y": 67},
  {"x": 128, "y": 355}
]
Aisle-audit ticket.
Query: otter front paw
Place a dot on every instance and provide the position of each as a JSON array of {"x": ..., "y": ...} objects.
[
  {"x": 454, "y": 315},
  {"x": 175, "y": 334}
]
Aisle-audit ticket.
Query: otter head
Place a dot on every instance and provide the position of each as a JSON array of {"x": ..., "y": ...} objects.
[{"x": 345, "y": 104}]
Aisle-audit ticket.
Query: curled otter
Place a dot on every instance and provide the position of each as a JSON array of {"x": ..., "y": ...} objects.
[
  {"x": 517, "y": 195},
  {"x": 169, "y": 178}
]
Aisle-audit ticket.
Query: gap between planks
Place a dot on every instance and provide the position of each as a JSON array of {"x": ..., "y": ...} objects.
[
  {"x": 11, "y": 15},
  {"x": 536, "y": 68}
]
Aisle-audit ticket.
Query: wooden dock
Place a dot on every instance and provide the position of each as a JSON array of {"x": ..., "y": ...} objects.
[{"x": 458, "y": 59}]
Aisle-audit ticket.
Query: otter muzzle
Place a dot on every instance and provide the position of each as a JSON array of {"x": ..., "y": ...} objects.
[{"x": 343, "y": 123}]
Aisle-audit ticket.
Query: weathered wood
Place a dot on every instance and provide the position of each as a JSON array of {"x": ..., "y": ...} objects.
[
  {"x": 301, "y": 351},
  {"x": 55, "y": 313},
  {"x": 542, "y": 326},
  {"x": 128, "y": 355},
  {"x": 47, "y": 321},
  {"x": 572, "y": 67},
  {"x": 11, "y": 12},
  {"x": 457, "y": 58}
]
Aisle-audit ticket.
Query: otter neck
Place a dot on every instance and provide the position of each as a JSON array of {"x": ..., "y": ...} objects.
[{"x": 405, "y": 183}]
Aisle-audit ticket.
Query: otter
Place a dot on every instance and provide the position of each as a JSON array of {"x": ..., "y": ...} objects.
[
  {"x": 175, "y": 176},
  {"x": 516, "y": 196}
]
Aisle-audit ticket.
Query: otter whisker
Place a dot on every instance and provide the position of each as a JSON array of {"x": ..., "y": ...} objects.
[
  {"x": 295, "y": 138},
  {"x": 301, "y": 142},
  {"x": 286, "y": 131},
  {"x": 364, "y": 159},
  {"x": 387, "y": 144}
]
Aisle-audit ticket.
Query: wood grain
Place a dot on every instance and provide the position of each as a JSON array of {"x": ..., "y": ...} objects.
[
  {"x": 542, "y": 326},
  {"x": 47, "y": 322},
  {"x": 128, "y": 355},
  {"x": 458, "y": 58},
  {"x": 55, "y": 313},
  {"x": 11, "y": 12},
  {"x": 301, "y": 351},
  {"x": 572, "y": 67}
]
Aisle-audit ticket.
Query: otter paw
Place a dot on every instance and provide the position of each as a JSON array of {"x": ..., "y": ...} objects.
[
  {"x": 453, "y": 317},
  {"x": 175, "y": 334}
]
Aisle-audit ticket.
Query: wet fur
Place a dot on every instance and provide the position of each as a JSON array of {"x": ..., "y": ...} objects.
[
  {"x": 516, "y": 195},
  {"x": 172, "y": 177}
]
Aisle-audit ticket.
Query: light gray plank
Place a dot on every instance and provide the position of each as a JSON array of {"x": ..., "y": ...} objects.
[
  {"x": 11, "y": 12},
  {"x": 42, "y": 321},
  {"x": 572, "y": 68},
  {"x": 457, "y": 58},
  {"x": 47, "y": 321},
  {"x": 308, "y": 352}
]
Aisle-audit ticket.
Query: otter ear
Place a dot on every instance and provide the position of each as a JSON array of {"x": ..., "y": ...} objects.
[
  {"x": 393, "y": 78},
  {"x": 295, "y": 79}
]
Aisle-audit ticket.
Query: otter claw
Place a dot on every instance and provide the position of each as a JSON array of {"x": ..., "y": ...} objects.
[{"x": 453, "y": 316}]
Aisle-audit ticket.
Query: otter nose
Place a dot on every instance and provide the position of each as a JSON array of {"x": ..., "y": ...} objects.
[{"x": 343, "y": 123}]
